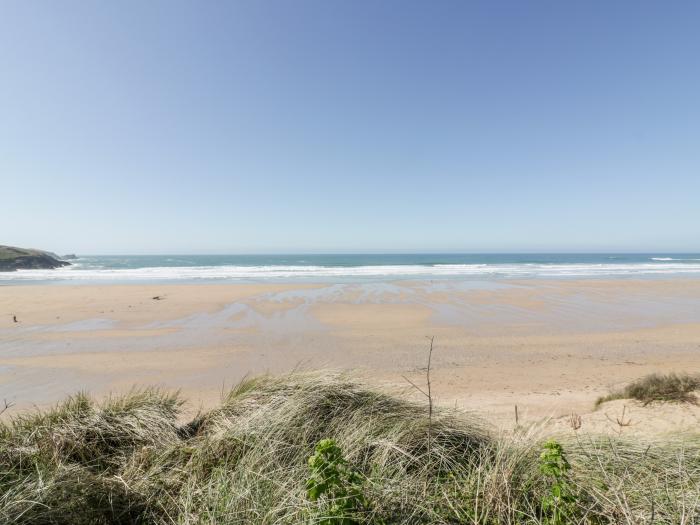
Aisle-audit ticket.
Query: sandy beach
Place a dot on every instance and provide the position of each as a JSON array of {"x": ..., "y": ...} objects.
[{"x": 549, "y": 347}]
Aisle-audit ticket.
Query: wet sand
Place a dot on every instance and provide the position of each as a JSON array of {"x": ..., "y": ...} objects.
[{"x": 550, "y": 347}]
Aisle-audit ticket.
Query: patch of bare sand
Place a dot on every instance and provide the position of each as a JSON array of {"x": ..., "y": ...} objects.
[
  {"x": 524, "y": 298},
  {"x": 120, "y": 362},
  {"x": 103, "y": 333},
  {"x": 125, "y": 304},
  {"x": 629, "y": 418},
  {"x": 358, "y": 317}
]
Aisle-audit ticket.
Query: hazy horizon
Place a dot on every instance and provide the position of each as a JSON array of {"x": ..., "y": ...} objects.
[{"x": 363, "y": 252}]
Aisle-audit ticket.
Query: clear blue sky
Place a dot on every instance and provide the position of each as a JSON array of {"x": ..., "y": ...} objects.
[{"x": 297, "y": 126}]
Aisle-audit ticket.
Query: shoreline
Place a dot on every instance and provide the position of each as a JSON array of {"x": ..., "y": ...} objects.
[{"x": 322, "y": 280}]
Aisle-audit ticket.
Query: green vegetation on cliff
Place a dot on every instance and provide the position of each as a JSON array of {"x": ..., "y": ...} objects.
[
  {"x": 320, "y": 448},
  {"x": 12, "y": 258}
]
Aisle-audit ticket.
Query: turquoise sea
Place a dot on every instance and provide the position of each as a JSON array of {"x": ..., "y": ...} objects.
[{"x": 358, "y": 267}]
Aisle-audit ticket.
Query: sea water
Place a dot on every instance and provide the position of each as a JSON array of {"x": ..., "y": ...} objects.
[{"x": 357, "y": 267}]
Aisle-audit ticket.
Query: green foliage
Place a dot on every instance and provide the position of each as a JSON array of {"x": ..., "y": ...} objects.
[
  {"x": 130, "y": 460},
  {"x": 12, "y": 258},
  {"x": 559, "y": 503},
  {"x": 335, "y": 483},
  {"x": 11, "y": 252}
]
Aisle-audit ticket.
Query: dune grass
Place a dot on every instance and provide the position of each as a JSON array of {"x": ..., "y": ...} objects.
[
  {"x": 127, "y": 460},
  {"x": 658, "y": 387}
]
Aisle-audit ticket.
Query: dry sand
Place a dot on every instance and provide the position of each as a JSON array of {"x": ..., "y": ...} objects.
[{"x": 549, "y": 347}]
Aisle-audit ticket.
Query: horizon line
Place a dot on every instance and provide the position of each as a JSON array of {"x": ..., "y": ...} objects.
[{"x": 400, "y": 252}]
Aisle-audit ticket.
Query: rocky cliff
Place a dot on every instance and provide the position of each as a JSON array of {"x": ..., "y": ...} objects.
[{"x": 12, "y": 258}]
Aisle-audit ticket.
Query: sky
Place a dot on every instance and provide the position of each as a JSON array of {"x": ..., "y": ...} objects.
[{"x": 349, "y": 126}]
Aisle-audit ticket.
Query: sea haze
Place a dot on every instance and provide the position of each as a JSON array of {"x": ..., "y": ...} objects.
[{"x": 357, "y": 267}]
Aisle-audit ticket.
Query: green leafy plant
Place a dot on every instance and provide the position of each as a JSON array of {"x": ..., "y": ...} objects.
[
  {"x": 336, "y": 484},
  {"x": 559, "y": 504}
]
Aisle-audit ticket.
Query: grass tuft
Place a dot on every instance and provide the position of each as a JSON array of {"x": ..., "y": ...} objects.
[
  {"x": 658, "y": 387},
  {"x": 127, "y": 460}
]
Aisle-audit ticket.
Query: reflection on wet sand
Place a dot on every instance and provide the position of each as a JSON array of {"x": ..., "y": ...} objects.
[{"x": 551, "y": 345}]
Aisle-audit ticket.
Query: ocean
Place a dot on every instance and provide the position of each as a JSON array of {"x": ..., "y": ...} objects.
[{"x": 357, "y": 267}]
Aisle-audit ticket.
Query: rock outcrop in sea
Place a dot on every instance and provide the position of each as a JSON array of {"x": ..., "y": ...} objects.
[{"x": 13, "y": 258}]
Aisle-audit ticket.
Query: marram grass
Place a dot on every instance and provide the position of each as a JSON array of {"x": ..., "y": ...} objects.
[
  {"x": 127, "y": 460},
  {"x": 672, "y": 387}
]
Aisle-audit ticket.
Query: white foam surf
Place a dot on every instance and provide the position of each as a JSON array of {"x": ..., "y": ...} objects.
[
  {"x": 377, "y": 272},
  {"x": 671, "y": 259}
]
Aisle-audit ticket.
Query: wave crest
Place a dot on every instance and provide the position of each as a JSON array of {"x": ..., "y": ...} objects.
[{"x": 377, "y": 272}]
